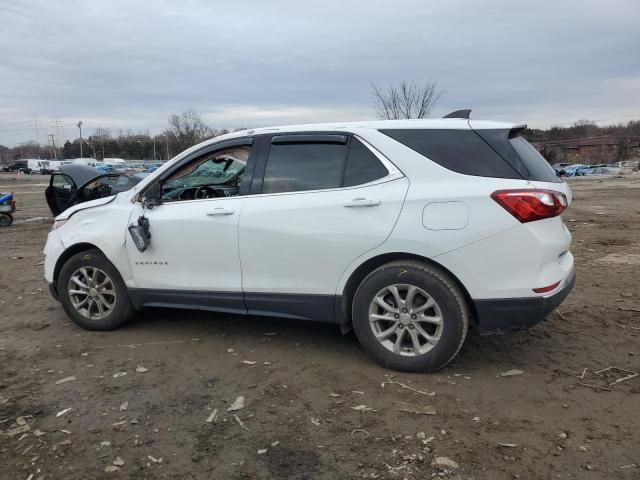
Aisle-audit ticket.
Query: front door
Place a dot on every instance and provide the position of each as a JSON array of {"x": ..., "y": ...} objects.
[
  {"x": 192, "y": 257},
  {"x": 60, "y": 193}
]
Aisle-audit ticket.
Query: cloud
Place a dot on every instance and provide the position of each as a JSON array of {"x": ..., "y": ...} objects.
[{"x": 122, "y": 64}]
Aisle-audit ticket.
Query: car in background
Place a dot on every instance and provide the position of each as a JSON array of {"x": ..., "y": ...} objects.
[
  {"x": 104, "y": 168},
  {"x": 74, "y": 184},
  {"x": 559, "y": 168},
  {"x": 20, "y": 166},
  {"x": 152, "y": 167}
]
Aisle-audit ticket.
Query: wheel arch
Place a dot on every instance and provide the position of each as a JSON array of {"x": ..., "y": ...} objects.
[
  {"x": 70, "y": 252},
  {"x": 343, "y": 310}
]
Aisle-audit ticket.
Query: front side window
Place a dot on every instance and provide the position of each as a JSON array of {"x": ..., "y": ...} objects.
[
  {"x": 216, "y": 174},
  {"x": 63, "y": 181},
  {"x": 298, "y": 167}
]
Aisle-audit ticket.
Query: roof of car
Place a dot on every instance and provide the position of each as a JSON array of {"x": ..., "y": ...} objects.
[{"x": 435, "y": 123}]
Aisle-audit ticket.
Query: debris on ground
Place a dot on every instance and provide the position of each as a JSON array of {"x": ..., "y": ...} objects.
[
  {"x": 609, "y": 377},
  {"x": 118, "y": 462},
  {"x": 407, "y": 407},
  {"x": 390, "y": 381},
  {"x": 237, "y": 419},
  {"x": 238, "y": 404},
  {"x": 445, "y": 462},
  {"x": 508, "y": 445},
  {"x": 62, "y": 412},
  {"x": 123, "y": 406},
  {"x": 111, "y": 468},
  {"x": 512, "y": 373},
  {"x": 212, "y": 416},
  {"x": 362, "y": 408},
  {"x": 262, "y": 451},
  {"x": 249, "y": 362},
  {"x": 141, "y": 369},
  {"x": 119, "y": 374},
  {"x": 315, "y": 421},
  {"x": 17, "y": 430},
  {"x": 65, "y": 380}
]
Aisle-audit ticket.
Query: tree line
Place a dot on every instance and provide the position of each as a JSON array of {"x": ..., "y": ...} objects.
[
  {"x": 183, "y": 131},
  {"x": 404, "y": 100}
]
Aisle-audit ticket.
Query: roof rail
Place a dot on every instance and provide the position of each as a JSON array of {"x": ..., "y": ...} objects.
[{"x": 459, "y": 114}]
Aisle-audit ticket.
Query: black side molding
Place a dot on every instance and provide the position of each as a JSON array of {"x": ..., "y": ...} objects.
[{"x": 459, "y": 114}]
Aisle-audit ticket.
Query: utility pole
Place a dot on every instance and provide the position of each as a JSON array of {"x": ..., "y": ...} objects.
[
  {"x": 167, "y": 139},
  {"x": 53, "y": 146},
  {"x": 80, "y": 127},
  {"x": 154, "y": 149}
]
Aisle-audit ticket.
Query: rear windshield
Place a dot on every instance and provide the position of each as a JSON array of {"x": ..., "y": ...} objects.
[{"x": 483, "y": 153}]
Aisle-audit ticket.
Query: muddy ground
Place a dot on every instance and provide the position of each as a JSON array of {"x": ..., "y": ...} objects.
[{"x": 298, "y": 420}]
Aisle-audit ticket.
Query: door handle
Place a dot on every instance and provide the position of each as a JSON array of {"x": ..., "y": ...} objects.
[
  {"x": 363, "y": 202},
  {"x": 220, "y": 211}
]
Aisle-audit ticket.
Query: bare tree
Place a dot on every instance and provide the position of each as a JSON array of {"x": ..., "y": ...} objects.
[
  {"x": 187, "y": 129},
  {"x": 406, "y": 100},
  {"x": 102, "y": 135}
]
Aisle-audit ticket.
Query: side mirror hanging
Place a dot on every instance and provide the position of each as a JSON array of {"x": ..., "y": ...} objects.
[{"x": 140, "y": 233}]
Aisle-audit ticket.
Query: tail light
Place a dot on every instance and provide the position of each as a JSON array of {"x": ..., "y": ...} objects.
[{"x": 531, "y": 204}]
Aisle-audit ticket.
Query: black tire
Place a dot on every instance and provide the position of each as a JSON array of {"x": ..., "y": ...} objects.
[
  {"x": 443, "y": 290},
  {"x": 122, "y": 310},
  {"x": 5, "y": 219}
]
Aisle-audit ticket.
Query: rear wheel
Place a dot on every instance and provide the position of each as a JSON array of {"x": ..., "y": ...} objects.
[
  {"x": 410, "y": 316},
  {"x": 92, "y": 292}
]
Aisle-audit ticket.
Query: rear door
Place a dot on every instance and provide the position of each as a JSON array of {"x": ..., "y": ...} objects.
[{"x": 318, "y": 202}]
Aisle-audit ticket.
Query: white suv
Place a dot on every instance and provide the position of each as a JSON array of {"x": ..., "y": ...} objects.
[{"x": 405, "y": 231}]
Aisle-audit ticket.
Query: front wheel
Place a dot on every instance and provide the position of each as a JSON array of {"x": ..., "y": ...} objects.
[
  {"x": 410, "y": 316},
  {"x": 92, "y": 292},
  {"x": 5, "y": 219}
]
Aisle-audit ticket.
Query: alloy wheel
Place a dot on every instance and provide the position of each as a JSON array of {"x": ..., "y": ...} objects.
[
  {"x": 92, "y": 293},
  {"x": 405, "y": 319}
]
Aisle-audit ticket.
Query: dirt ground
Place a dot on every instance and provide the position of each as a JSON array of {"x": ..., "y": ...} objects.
[{"x": 304, "y": 385}]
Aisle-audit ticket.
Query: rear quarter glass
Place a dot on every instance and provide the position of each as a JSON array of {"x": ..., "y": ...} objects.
[
  {"x": 493, "y": 153},
  {"x": 520, "y": 154},
  {"x": 461, "y": 151}
]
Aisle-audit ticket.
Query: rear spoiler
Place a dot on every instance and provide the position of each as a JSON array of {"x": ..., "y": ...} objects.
[
  {"x": 516, "y": 130},
  {"x": 459, "y": 114}
]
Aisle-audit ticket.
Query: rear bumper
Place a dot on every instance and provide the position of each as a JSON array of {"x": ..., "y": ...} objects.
[{"x": 504, "y": 315}]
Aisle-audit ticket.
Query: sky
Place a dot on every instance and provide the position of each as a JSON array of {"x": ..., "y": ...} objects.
[{"x": 123, "y": 64}]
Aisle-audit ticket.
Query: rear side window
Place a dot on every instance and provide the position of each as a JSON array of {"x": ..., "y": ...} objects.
[
  {"x": 299, "y": 166},
  {"x": 462, "y": 151},
  {"x": 296, "y": 167},
  {"x": 362, "y": 165}
]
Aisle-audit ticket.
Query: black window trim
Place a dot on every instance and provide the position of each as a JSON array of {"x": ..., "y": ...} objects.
[{"x": 393, "y": 172}]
